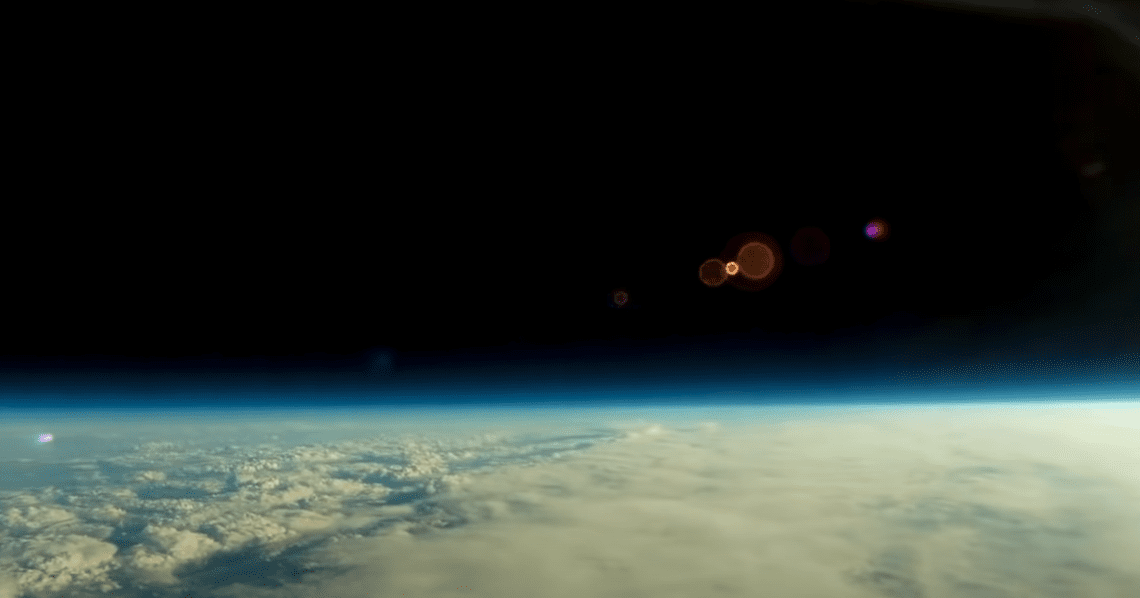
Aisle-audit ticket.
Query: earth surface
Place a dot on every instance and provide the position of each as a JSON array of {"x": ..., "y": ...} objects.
[{"x": 861, "y": 502}]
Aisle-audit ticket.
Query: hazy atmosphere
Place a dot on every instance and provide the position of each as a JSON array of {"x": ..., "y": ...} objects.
[{"x": 832, "y": 300}]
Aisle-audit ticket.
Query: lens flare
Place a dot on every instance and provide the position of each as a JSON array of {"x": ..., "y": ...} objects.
[{"x": 877, "y": 230}]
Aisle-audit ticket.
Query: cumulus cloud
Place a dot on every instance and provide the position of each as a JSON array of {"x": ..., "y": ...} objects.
[
  {"x": 162, "y": 514},
  {"x": 166, "y": 549},
  {"x": 51, "y": 564},
  {"x": 36, "y": 517}
]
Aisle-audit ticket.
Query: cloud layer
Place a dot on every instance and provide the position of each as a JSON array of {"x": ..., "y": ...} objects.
[{"x": 862, "y": 503}]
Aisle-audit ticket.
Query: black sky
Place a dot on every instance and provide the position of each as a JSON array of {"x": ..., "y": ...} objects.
[{"x": 480, "y": 198}]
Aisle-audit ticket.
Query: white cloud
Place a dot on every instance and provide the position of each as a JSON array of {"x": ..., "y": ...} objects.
[
  {"x": 239, "y": 528},
  {"x": 52, "y": 564},
  {"x": 8, "y": 586},
  {"x": 182, "y": 544},
  {"x": 36, "y": 517}
]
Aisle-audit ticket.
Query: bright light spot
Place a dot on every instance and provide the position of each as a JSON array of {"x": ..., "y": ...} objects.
[
  {"x": 713, "y": 272},
  {"x": 877, "y": 230},
  {"x": 731, "y": 268},
  {"x": 46, "y": 438},
  {"x": 756, "y": 260}
]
